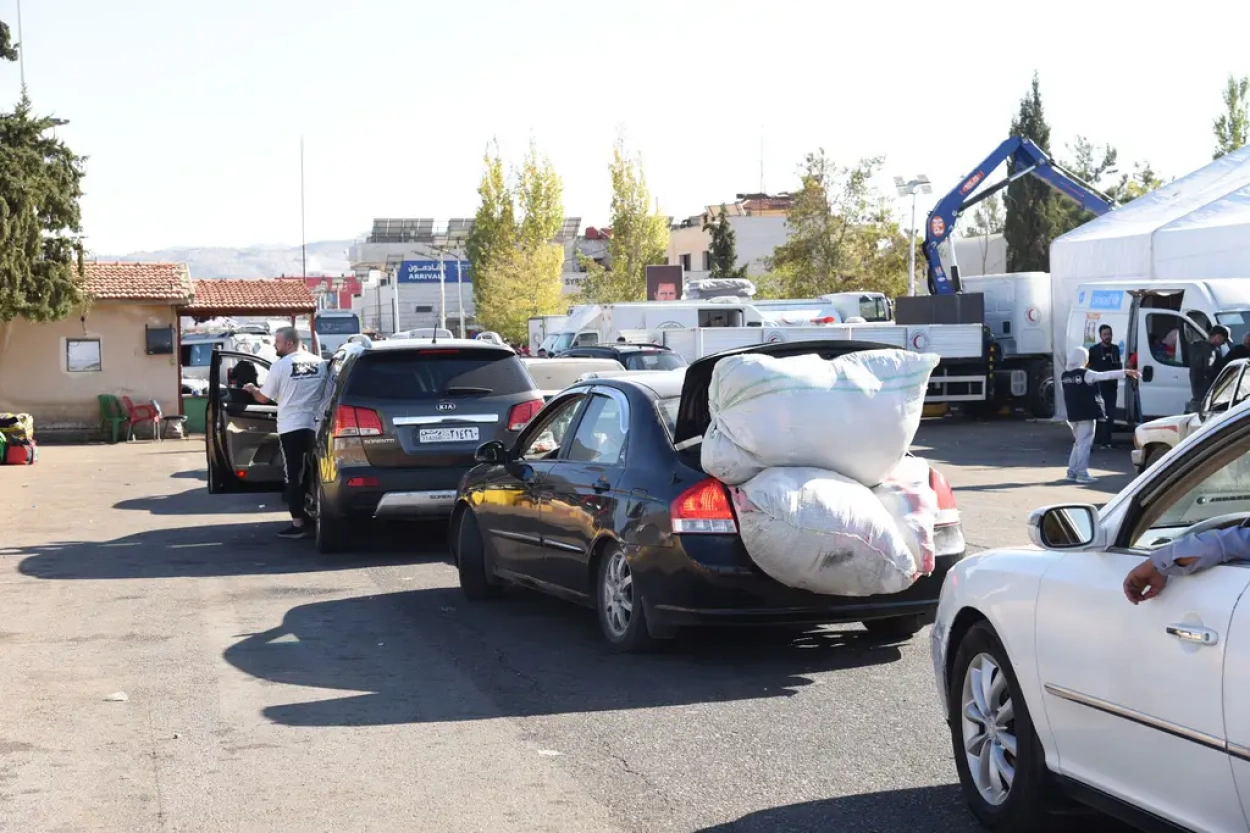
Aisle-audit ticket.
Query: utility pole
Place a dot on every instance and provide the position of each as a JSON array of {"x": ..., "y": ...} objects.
[
  {"x": 918, "y": 185},
  {"x": 303, "y": 246},
  {"x": 21, "y": 48}
]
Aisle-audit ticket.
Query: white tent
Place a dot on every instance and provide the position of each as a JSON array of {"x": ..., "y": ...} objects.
[{"x": 1197, "y": 227}]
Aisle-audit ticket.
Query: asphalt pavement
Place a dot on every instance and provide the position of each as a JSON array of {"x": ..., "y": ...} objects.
[{"x": 269, "y": 688}]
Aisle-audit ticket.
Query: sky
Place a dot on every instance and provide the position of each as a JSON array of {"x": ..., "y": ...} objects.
[{"x": 191, "y": 112}]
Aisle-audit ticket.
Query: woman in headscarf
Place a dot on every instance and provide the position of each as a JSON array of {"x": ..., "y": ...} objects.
[{"x": 1083, "y": 401}]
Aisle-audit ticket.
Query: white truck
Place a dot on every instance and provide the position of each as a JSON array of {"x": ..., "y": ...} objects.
[
  {"x": 334, "y": 327},
  {"x": 541, "y": 326}
]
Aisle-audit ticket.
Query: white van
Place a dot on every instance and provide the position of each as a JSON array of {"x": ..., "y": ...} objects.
[
  {"x": 1159, "y": 323},
  {"x": 334, "y": 327}
]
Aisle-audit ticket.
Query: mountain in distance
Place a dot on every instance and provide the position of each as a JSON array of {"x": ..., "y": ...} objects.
[{"x": 325, "y": 257}]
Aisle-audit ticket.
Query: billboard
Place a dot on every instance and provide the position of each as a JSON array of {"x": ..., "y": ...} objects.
[
  {"x": 664, "y": 283},
  {"x": 426, "y": 271}
]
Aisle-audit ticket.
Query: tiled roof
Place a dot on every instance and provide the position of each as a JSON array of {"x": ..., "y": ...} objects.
[
  {"x": 137, "y": 281},
  {"x": 260, "y": 296}
]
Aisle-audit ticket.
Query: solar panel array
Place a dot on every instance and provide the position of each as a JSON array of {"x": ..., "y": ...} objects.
[{"x": 394, "y": 230}]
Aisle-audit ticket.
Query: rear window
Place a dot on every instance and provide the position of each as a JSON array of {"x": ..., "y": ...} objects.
[
  {"x": 657, "y": 360},
  {"x": 436, "y": 373},
  {"x": 667, "y": 409},
  {"x": 338, "y": 325}
]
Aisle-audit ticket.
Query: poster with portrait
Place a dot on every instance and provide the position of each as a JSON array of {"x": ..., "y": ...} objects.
[{"x": 664, "y": 283}]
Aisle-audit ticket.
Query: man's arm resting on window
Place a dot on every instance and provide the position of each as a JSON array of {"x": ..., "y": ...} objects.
[
  {"x": 257, "y": 395},
  {"x": 1202, "y": 551}
]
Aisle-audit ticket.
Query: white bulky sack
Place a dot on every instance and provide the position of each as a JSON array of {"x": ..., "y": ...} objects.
[
  {"x": 816, "y": 530},
  {"x": 907, "y": 496},
  {"x": 856, "y": 415}
]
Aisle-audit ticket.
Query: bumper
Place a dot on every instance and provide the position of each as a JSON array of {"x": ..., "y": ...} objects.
[
  {"x": 392, "y": 493},
  {"x": 1137, "y": 456}
]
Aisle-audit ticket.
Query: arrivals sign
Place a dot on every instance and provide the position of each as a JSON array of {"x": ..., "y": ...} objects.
[{"x": 427, "y": 271}]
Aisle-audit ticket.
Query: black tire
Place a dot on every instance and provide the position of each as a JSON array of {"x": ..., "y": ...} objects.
[
  {"x": 1153, "y": 454},
  {"x": 471, "y": 558},
  {"x": 214, "y": 481},
  {"x": 896, "y": 627},
  {"x": 1042, "y": 390},
  {"x": 333, "y": 533},
  {"x": 625, "y": 629},
  {"x": 1027, "y": 806}
]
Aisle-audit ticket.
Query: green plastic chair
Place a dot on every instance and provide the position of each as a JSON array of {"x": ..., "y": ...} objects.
[{"x": 113, "y": 417}]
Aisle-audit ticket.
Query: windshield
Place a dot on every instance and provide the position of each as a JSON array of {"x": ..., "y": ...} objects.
[
  {"x": 1238, "y": 324},
  {"x": 199, "y": 354},
  {"x": 653, "y": 360},
  {"x": 556, "y": 342},
  {"x": 873, "y": 309},
  {"x": 337, "y": 325}
]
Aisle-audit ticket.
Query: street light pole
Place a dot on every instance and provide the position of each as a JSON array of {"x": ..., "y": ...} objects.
[{"x": 918, "y": 185}]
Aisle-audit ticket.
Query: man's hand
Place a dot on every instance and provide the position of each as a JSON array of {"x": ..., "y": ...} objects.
[
  {"x": 1132, "y": 374},
  {"x": 1144, "y": 582},
  {"x": 251, "y": 388}
]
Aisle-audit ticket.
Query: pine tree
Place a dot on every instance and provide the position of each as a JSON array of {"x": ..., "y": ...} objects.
[
  {"x": 723, "y": 249},
  {"x": 40, "y": 218},
  {"x": 1033, "y": 208},
  {"x": 1232, "y": 129}
]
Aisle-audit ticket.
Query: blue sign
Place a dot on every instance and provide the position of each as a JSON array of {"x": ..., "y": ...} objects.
[
  {"x": 1109, "y": 299},
  {"x": 427, "y": 271}
]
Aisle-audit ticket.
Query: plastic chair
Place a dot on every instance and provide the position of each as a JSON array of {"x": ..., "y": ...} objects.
[
  {"x": 139, "y": 414},
  {"x": 113, "y": 417}
]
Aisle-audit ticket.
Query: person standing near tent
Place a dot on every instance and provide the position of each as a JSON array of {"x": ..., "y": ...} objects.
[
  {"x": 1105, "y": 356},
  {"x": 1083, "y": 399}
]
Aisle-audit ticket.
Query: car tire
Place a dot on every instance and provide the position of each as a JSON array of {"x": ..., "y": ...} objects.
[
  {"x": 471, "y": 560},
  {"x": 332, "y": 533},
  {"x": 1042, "y": 390},
  {"x": 896, "y": 627},
  {"x": 619, "y": 604},
  {"x": 983, "y": 690},
  {"x": 1153, "y": 455}
]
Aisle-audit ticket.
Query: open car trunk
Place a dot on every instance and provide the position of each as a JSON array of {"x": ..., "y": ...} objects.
[{"x": 693, "y": 416}]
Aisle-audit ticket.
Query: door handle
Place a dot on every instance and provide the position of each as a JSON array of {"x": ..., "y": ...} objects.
[
  {"x": 601, "y": 485},
  {"x": 1193, "y": 633}
]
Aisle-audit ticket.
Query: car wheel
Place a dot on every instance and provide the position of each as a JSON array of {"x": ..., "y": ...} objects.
[
  {"x": 475, "y": 581},
  {"x": 622, "y": 616},
  {"x": 332, "y": 533},
  {"x": 896, "y": 627},
  {"x": 1153, "y": 455},
  {"x": 1001, "y": 764}
]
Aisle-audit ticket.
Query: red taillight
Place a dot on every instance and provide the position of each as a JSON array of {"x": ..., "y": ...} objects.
[
  {"x": 520, "y": 415},
  {"x": 945, "y": 495},
  {"x": 704, "y": 507},
  {"x": 361, "y": 482},
  {"x": 350, "y": 421},
  {"x": 241, "y": 473}
]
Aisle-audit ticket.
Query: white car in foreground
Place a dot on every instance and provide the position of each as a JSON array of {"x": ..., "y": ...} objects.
[
  {"x": 1060, "y": 692},
  {"x": 1151, "y": 440}
]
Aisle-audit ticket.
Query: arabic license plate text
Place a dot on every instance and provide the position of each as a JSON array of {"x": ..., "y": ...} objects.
[{"x": 448, "y": 435}]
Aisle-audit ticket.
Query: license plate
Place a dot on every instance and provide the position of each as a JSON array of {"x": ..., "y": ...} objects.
[{"x": 448, "y": 435}]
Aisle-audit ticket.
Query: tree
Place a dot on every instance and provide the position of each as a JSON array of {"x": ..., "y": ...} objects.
[
  {"x": 1232, "y": 128},
  {"x": 1092, "y": 165},
  {"x": 1141, "y": 181},
  {"x": 516, "y": 265},
  {"x": 1033, "y": 209},
  {"x": 987, "y": 221},
  {"x": 723, "y": 249},
  {"x": 40, "y": 218},
  {"x": 639, "y": 237},
  {"x": 842, "y": 235}
]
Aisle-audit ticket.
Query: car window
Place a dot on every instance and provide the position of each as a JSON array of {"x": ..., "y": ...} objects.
[
  {"x": 1221, "y": 395},
  {"x": 236, "y": 373},
  {"x": 1243, "y": 388},
  {"x": 337, "y": 325},
  {"x": 600, "y": 436},
  {"x": 654, "y": 360},
  {"x": 1164, "y": 337},
  {"x": 436, "y": 373},
  {"x": 548, "y": 435},
  {"x": 1220, "y": 487},
  {"x": 199, "y": 353},
  {"x": 667, "y": 409}
]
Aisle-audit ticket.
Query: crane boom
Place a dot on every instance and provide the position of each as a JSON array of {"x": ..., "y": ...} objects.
[{"x": 1026, "y": 158}]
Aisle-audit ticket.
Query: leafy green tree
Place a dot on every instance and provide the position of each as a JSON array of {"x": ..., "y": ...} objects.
[
  {"x": 1141, "y": 181},
  {"x": 639, "y": 237},
  {"x": 987, "y": 218},
  {"x": 723, "y": 249},
  {"x": 842, "y": 235},
  {"x": 40, "y": 218},
  {"x": 516, "y": 263},
  {"x": 1034, "y": 213},
  {"x": 1232, "y": 128}
]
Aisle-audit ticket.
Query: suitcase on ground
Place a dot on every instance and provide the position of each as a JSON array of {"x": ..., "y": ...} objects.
[{"x": 21, "y": 453}]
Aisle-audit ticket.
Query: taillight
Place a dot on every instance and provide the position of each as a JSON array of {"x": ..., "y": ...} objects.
[
  {"x": 350, "y": 421},
  {"x": 520, "y": 415},
  {"x": 704, "y": 508},
  {"x": 359, "y": 482},
  {"x": 945, "y": 495}
]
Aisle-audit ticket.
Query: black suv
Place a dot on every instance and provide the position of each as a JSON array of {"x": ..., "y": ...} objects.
[
  {"x": 400, "y": 423},
  {"x": 631, "y": 356}
]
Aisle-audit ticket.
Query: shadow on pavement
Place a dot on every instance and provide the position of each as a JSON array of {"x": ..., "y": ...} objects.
[
  {"x": 198, "y": 501},
  {"x": 193, "y": 474},
  {"x": 222, "y": 550},
  {"x": 404, "y": 657}
]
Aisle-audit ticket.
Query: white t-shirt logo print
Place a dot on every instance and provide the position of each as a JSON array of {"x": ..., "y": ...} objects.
[{"x": 294, "y": 382}]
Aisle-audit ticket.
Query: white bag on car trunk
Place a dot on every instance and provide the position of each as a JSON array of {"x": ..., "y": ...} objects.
[
  {"x": 912, "y": 503},
  {"x": 855, "y": 415},
  {"x": 816, "y": 530}
]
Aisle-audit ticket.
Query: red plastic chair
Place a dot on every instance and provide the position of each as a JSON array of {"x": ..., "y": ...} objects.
[{"x": 139, "y": 414}]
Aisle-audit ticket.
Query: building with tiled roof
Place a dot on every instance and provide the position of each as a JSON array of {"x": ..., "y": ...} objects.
[
  {"x": 137, "y": 281},
  {"x": 213, "y": 298}
]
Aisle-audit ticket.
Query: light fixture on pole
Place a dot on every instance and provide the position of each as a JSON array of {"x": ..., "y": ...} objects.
[{"x": 917, "y": 185}]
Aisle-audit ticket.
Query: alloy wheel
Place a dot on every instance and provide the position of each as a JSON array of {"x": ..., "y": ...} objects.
[
  {"x": 618, "y": 594},
  {"x": 988, "y": 729}
]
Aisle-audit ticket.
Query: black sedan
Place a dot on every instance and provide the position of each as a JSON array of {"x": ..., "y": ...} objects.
[{"x": 602, "y": 501}]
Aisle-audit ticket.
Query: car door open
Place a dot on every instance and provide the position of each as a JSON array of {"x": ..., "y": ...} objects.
[{"x": 242, "y": 443}]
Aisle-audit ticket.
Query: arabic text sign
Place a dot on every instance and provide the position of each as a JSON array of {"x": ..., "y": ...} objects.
[{"x": 426, "y": 271}]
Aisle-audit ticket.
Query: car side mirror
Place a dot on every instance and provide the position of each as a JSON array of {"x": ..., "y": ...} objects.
[
  {"x": 493, "y": 453},
  {"x": 1148, "y": 373},
  {"x": 1064, "y": 527}
]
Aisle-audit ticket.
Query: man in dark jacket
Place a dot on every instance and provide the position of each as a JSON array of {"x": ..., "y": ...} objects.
[
  {"x": 1105, "y": 356},
  {"x": 1205, "y": 361}
]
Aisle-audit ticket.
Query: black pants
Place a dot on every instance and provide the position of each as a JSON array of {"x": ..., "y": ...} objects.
[
  {"x": 296, "y": 446},
  {"x": 1102, "y": 434}
]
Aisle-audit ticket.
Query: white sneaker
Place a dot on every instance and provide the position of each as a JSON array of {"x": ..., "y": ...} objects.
[{"x": 1085, "y": 480}]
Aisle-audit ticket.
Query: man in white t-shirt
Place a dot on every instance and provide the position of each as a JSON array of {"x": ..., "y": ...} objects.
[{"x": 294, "y": 384}]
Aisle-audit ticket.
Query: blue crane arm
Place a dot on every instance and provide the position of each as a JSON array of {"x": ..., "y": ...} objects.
[{"x": 1027, "y": 158}]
